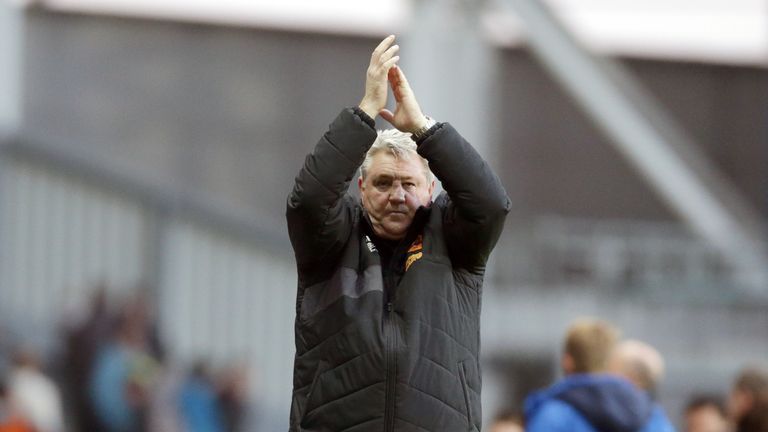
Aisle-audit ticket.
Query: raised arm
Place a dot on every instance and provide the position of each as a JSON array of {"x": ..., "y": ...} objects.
[
  {"x": 319, "y": 212},
  {"x": 477, "y": 204}
]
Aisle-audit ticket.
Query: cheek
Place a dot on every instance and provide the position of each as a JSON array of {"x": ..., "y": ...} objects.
[
  {"x": 376, "y": 201},
  {"x": 412, "y": 200},
  {"x": 417, "y": 198}
]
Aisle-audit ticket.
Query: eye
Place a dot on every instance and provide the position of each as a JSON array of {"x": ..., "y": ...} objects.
[
  {"x": 382, "y": 184},
  {"x": 409, "y": 185}
]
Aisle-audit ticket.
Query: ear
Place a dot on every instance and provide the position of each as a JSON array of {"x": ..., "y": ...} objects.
[
  {"x": 432, "y": 188},
  {"x": 360, "y": 182}
]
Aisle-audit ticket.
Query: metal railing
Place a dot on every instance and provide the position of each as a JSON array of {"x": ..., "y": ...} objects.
[{"x": 630, "y": 256}]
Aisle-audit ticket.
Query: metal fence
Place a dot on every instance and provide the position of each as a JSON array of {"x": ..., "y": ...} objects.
[{"x": 626, "y": 255}]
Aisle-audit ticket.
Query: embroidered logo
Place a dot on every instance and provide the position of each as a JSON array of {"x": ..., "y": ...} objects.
[
  {"x": 414, "y": 252},
  {"x": 369, "y": 243}
]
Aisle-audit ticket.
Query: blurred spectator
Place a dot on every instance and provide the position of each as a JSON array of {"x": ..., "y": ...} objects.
[
  {"x": 233, "y": 397},
  {"x": 37, "y": 396},
  {"x": 643, "y": 366},
  {"x": 141, "y": 312},
  {"x": 706, "y": 413},
  {"x": 11, "y": 419},
  {"x": 200, "y": 410},
  {"x": 164, "y": 415},
  {"x": 124, "y": 374},
  {"x": 748, "y": 403},
  {"x": 588, "y": 399},
  {"x": 83, "y": 339},
  {"x": 507, "y": 421}
]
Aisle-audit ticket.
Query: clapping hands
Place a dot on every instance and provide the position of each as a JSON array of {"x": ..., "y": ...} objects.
[{"x": 383, "y": 70}]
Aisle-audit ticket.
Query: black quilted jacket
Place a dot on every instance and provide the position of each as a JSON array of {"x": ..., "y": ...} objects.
[{"x": 376, "y": 352}]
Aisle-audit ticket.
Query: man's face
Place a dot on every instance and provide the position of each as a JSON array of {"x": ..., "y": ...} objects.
[
  {"x": 705, "y": 419},
  {"x": 391, "y": 192}
]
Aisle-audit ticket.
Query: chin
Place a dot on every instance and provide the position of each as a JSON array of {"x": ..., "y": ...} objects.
[{"x": 396, "y": 232}]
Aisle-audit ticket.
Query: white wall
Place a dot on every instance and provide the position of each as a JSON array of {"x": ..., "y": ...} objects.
[
  {"x": 220, "y": 298},
  {"x": 58, "y": 238},
  {"x": 10, "y": 66}
]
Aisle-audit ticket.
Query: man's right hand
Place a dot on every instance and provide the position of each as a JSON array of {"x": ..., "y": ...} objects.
[{"x": 382, "y": 59}]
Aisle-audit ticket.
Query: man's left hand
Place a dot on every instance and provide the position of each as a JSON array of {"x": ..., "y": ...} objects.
[{"x": 407, "y": 116}]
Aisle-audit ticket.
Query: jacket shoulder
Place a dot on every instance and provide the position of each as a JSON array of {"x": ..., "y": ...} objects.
[
  {"x": 659, "y": 422},
  {"x": 555, "y": 415}
]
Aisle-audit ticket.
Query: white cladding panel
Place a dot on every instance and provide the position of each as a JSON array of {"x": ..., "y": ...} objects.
[
  {"x": 58, "y": 238},
  {"x": 223, "y": 300}
]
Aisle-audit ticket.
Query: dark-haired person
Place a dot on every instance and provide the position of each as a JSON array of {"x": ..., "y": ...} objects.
[
  {"x": 748, "y": 401},
  {"x": 706, "y": 413}
]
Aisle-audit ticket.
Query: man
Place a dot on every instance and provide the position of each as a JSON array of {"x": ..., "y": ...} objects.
[
  {"x": 643, "y": 366},
  {"x": 588, "y": 399},
  {"x": 388, "y": 305},
  {"x": 706, "y": 413}
]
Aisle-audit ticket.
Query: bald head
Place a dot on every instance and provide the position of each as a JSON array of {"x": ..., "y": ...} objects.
[{"x": 638, "y": 362}]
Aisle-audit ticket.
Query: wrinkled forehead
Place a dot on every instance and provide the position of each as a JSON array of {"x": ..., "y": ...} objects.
[{"x": 404, "y": 165}]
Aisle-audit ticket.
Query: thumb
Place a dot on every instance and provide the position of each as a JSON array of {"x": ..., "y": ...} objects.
[
  {"x": 402, "y": 82},
  {"x": 387, "y": 115}
]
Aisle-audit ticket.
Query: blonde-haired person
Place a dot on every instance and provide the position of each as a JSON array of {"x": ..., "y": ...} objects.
[
  {"x": 589, "y": 398},
  {"x": 588, "y": 345}
]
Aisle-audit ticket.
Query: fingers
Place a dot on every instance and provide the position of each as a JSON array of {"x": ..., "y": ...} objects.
[
  {"x": 408, "y": 115},
  {"x": 389, "y": 53},
  {"x": 387, "y": 115},
  {"x": 388, "y": 65},
  {"x": 383, "y": 58},
  {"x": 399, "y": 83},
  {"x": 386, "y": 60},
  {"x": 401, "y": 76},
  {"x": 394, "y": 83},
  {"x": 383, "y": 46}
]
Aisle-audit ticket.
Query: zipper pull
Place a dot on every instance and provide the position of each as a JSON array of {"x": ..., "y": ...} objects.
[{"x": 389, "y": 307}]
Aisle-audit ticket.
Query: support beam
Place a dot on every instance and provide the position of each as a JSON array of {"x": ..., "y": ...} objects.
[
  {"x": 450, "y": 65},
  {"x": 653, "y": 143},
  {"x": 11, "y": 16}
]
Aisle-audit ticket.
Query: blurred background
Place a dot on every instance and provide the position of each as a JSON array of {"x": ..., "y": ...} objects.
[{"x": 147, "y": 148}]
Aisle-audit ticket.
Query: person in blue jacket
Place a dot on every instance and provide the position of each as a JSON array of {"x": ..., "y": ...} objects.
[
  {"x": 590, "y": 398},
  {"x": 643, "y": 366}
]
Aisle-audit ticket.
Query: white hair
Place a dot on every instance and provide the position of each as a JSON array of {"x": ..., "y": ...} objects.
[{"x": 400, "y": 145}]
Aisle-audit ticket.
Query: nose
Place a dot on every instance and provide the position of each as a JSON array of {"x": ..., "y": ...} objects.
[{"x": 397, "y": 194}]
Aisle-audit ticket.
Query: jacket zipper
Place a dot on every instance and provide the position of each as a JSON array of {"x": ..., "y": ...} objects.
[
  {"x": 390, "y": 327},
  {"x": 391, "y": 359}
]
